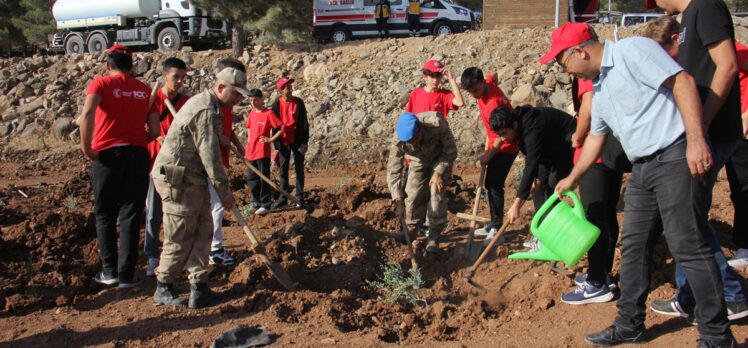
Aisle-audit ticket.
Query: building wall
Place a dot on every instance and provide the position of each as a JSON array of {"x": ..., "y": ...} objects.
[{"x": 522, "y": 13}]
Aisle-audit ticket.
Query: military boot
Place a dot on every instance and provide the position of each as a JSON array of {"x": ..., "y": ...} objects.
[
  {"x": 165, "y": 295},
  {"x": 201, "y": 296}
]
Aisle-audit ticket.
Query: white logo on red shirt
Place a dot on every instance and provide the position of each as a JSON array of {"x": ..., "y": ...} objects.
[{"x": 118, "y": 93}]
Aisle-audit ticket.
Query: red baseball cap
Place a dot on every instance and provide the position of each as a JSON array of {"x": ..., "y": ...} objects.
[
  {"x": 650, "y": 4},
  {"x": 565, "y": 36},
  {"x": 120, "y": 49},
  {"x": 282, "y": 82},
  {"x": 434, "y": 66}
]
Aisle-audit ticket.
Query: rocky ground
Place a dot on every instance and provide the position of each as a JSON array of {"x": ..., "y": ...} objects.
[{"x": 354, "y": 92}]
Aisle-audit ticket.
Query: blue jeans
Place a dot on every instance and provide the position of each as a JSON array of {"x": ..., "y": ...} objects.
[
  {"x": 659, "y": 200},
  {"x": 733, "y": 290}
]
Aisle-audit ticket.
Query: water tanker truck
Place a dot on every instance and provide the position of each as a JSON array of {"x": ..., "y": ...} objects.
[{"x": 95, "y": 25}]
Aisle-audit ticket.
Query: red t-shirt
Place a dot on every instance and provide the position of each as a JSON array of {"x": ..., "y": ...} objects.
[
  {"x": 493, "y": 99},
  {"x": 227, "y": 122},
  {"x": 120, "y": 118},
  {"x": 742, "y": 52},
  {"x": 585, "y": 86},
  {"x": 158, "y": 108},
  {"x": 259, "y": 124},
  {"x": 287, "y": 112},
  {"x": 439, "y": 100}
]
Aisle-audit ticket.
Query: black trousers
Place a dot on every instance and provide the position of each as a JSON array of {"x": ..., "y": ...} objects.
[
  {"x": 659, "y": 201},
  {"x": 414, "y": 23},
  {"x": 600, "y": 190},
  {"x": 259, "y": 188},
  {"x": 496, "y": 172},
  {"x": 120, "y": 183},
  {"x": 550, "y": 174},
  {"x": 284, "y": 159},
  {"x": 737, "y": 175},
  {"x": 383, "y": 28}
]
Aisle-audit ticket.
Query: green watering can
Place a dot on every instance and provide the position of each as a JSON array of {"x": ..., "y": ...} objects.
[{"x": 564, "y": 232}]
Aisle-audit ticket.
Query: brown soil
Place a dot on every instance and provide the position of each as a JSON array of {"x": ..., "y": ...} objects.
[{"x": 49, "y": 256}]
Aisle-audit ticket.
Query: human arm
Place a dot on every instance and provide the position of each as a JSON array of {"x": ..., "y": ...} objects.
[
  {"x": 395, "y": 171},
  {"x": 154, "y": 126},
  {"x": 205, "y": 135},
  {"x": 235, "y": 140},
  {"x": 698, "y": 154},
  {"x": 583, "y": 120},
  {"x": 87, "y": 125},
  {"x": 491, "y": 150},
  {"x": 725, "y": 60},
  {"x": 302, "y": 130},
  {"x": 458, "y": 100},
  {"x": 593, "y": 146},
  {"x": 446, "y": 157}
]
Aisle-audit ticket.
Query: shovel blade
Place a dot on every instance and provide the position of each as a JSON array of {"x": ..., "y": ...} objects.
[
  {"x": 279, "y": 273},
  {"x": 469, "y": 252}
]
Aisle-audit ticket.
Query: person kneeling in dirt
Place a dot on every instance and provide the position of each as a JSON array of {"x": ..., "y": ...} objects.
[
  {"x": 189, "y": 158},
  {"x": 426, "y": 140}
]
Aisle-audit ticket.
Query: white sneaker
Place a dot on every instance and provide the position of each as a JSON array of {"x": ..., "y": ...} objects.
[
  {"x": 261, "y": 211},
  {"x": 152, "y": 265},
  {"x": 481, "y": 232},
  {"x": 532, "y": 244},
  {"x": 740, "y": 259},
  {"x": 490, "y": 236}
]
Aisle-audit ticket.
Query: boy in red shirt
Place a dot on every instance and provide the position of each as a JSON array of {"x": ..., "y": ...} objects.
[
  {"x": 174, "y": 73},
  {"x": 293, "y": 140},
  {"x": 219, "y": 255},
  {"x": 113, "y": 136},
  {"x": 431, "y": 97},
  {"x": 498, "y": 155},
  {"x": 260, "y": 123}
]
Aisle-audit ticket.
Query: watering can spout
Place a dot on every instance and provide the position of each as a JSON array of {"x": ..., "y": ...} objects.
[{"x": 541, "y": 254}]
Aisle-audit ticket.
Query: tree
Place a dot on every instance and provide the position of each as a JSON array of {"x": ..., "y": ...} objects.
[
  {"x": 238, "y": 12},
  {"x": 10, "y": 9},
  {"x": 287, "y": 21},
  {"x": 35, "y": 20}
]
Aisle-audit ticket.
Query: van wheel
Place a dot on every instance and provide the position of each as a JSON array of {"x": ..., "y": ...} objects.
[
  {"x": 97, "y": 43},
  {"x": 74, "y": 44},
  {"x": 340, "y": 34},
  {"x": 169, "y": 40},
  {"x": 443, "y": 28}
]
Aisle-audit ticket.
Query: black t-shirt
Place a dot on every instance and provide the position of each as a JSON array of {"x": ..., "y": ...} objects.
[{"x": 706, "y": 22}]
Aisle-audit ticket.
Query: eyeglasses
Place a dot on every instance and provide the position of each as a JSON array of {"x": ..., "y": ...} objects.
[{"x": 568, "y": 53}]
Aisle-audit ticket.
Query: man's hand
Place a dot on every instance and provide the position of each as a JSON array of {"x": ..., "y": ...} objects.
[
  {"x": 90, "y": 153},
  {"x": 303, "y": 149},
  {"x": 228, "y": 202},
  {"x": 437, "y": 182},
  {"x": 160, "y": 139},
  {"x": 399, "y": 208},
  {"x": 567, "y": 183},
  {"x": 513, "y": 213},
  {"x": 699, "y": 157}
]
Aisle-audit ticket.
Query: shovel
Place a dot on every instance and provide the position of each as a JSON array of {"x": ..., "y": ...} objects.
[
  {"x": 275, "y": 268},
  {"x": 469, "y": 251},
  {"x": 404, "y": 230},
  {"x": 468, "y": 276}
]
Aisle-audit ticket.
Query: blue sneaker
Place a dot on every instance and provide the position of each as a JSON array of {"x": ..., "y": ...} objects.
[
  {"x": 588, "y": 293},
  {"x": 582, "y": 277}
]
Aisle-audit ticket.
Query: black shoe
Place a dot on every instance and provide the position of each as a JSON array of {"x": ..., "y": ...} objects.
[
  {"x": 613, "y": 335},
  {"x": 201, "y": 296},
  {"x": 127, "y": 284},
  {"x": 737, "y": 310},
  {"x": 728, "y": 342},
  {"x": 279, "y": 204},
  {"x": 165, "y": 295}
]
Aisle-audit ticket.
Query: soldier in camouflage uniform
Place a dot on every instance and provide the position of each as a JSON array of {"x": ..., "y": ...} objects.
[
  {"x": 427, "y": 142},
  {"x": 189, "y": 158}
]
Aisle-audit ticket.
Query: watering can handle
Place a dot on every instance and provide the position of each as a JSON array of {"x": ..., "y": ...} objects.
[
  {"x": 578, "y": 208},
  {"x": 541, "y": 212}
]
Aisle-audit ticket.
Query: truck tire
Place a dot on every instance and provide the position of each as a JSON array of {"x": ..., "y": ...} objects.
[
  {"x": 169, "y": 40},
  {"x": 74, "y": 44},
  {"x": 442, "y": 28},
  {"x": 339, "y": 34},
  {"x": 97, "y": 43}
]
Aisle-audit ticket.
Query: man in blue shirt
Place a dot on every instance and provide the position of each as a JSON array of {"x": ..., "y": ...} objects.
[{"x": 652, "y": 107}]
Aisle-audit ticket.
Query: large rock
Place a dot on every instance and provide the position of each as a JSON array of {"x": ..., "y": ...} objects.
[
  {"x": 559, "y": 100},
  {"x": 62, "y": 126},
  {"x": 32, "y": 106},
  {"x": 523, "y": 95}
]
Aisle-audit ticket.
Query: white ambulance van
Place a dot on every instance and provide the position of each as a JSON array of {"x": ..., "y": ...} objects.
[{"x": 343, "y": 20}]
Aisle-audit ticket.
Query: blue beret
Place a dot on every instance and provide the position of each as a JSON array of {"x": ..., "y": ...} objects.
[{"x": 407, "y": 126}]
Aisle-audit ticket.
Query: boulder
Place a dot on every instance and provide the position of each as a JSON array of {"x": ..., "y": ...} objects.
[
  {"x": 32, "y": 106},
  {"x": 62, "y": 126},
  {"x": 523, "y": 95}
]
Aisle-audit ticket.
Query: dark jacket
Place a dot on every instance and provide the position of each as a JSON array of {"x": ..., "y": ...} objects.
[
  {"x": 302, "y": 123},
  {"x": 544, "y": 137}
]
